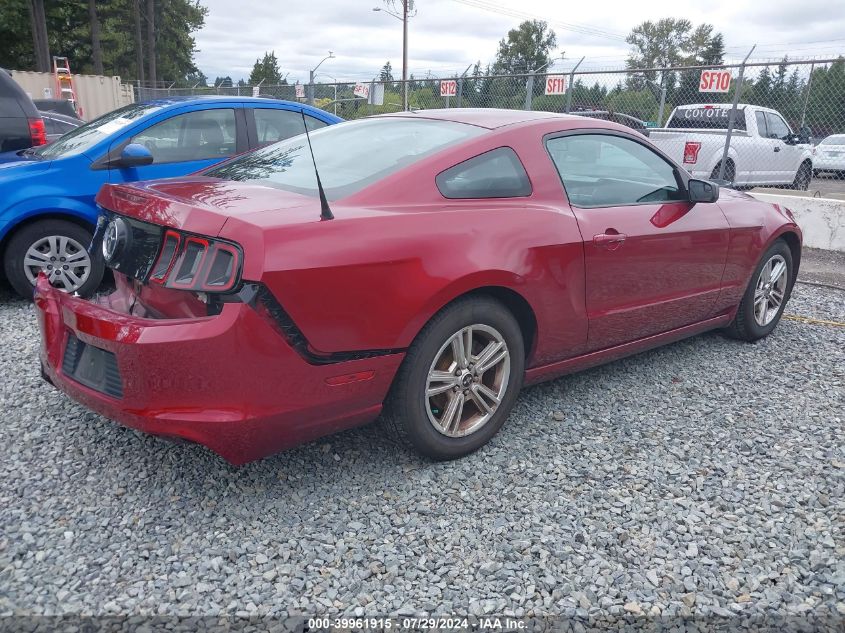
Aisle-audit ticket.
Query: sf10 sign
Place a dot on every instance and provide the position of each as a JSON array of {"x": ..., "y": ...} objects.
[
  {"x": 555, "y": 85},
  {"x": 448, "y": 88},
  {"x": 715, "y": 81}
]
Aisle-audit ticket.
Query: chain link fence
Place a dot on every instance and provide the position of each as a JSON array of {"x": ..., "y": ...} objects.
[{"x": 787, "y": 130}]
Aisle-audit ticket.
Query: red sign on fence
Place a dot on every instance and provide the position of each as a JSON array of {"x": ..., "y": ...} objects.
[
  {"x": 448, "y": 88},
  {"x": 556, "y": 84},
  {"x": 300, "y": 91},
  {"x": 715, "y": 81}
]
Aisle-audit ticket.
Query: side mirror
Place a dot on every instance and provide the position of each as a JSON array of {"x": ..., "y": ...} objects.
[
  {"x": 702, "y": 191},
  {"x": 133, "y": 155}
]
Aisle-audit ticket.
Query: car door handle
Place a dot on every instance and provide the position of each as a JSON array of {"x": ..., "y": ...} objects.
[
  {"x": 610, "y": 241},
  {"x": 777, "y": 148}
]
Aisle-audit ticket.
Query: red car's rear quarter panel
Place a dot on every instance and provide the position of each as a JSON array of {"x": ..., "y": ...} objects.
[{"x": 374, "y": 283}]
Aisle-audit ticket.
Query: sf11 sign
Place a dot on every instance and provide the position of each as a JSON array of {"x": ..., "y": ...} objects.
[
  {"x": 715, "y": 81},
  {"x": 362, "y": 90},
  {"x": 556, "y": 84},
  {"x": 448, "y": 88}
]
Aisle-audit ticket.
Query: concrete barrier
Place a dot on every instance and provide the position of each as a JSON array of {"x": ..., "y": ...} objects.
[{"x": 821, "y": 219}]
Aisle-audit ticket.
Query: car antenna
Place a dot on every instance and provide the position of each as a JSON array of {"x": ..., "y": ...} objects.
[{"x": 325, "y": 211}]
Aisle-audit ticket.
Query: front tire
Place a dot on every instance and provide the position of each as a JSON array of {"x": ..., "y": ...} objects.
[
  {"x": 459, "y": 380},
  {"x": 766, "y": 296},
  {"x": 57, "y": 247}
]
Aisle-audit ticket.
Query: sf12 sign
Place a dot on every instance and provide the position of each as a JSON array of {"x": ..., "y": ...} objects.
[
  {"x": 362, "y": 90},
  {"x": 448, "y": 88},
  {"x": 555, "y": 84},
  {"x": 715, "y": 81}
]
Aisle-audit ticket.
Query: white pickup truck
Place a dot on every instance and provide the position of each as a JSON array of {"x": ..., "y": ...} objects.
[{"x": 763, "y": 149}]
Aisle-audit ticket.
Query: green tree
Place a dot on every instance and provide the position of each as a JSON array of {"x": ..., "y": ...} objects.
[
  {"x": 386, "y": 73},
  {"x": 825, "y": 106},
  {"x": 223, "y": 82},
  {"x": 69, "y": 34},
  {"x": 639, "y": 103},
  {"x": 527, "y": 47},
  {"x": 196, "y": 78},
  {"x": 266, "y": 69}
]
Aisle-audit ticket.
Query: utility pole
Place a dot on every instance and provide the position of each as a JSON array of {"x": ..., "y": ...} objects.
[
  {"x": 405, "y": 55},
  {"x": 406, "y": 13}
]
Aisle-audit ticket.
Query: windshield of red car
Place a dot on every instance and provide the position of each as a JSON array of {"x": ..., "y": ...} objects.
[{"x": 350, "y": 156}]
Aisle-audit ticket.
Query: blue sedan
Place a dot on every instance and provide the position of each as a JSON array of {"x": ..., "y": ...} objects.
[{"x": 47, "y": 210}]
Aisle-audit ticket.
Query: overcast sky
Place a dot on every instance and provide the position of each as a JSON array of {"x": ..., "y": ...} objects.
[{"x": 447, "y": 35}]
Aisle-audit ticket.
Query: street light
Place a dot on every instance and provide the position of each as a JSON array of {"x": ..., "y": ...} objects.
[
  {"x": 311, "y": 77},
  {"x": 334, "y": 79},
  {"x": 404, "y": 19}
]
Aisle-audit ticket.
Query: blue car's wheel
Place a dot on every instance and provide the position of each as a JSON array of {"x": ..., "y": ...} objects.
[{"x": 59, "y": 249}]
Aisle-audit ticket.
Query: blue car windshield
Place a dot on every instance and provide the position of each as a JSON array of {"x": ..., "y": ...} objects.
[
  {"x": 87, "y": 135},
  {"x": 350, "y": 156}
]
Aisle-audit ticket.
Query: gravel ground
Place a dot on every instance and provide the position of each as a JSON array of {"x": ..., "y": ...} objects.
[{"x": 705, "y": 478}]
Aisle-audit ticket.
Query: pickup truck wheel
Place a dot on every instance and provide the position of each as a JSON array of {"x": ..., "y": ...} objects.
[
  {"x": 766, "y": 296},
  {"x": 458, "y": 381},
  {"x": 57, "y": 247},
  {"x": 803, "y": 177},
  {"x": 730, "y": 171}
]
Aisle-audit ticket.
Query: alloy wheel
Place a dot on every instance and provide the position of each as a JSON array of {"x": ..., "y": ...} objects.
[
  {"x": 770, "y": 290},
  {"x": 65, "y": 261},
  {"x": 467, "y": 380}
]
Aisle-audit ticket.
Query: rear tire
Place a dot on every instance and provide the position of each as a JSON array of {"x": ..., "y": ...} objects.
[
  {"x": 730, "y": 171},
  {"x": 444, "y": 405},
  {"x": 753, "y": 319},
  {"x": 803, "y": 177},
  {"x": 59, "y": 245}
]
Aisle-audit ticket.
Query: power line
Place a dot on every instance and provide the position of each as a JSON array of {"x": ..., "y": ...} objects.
[{"x": 566, "y": 26}]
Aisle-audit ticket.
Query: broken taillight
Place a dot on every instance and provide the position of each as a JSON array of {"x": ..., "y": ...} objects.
[{"x": 191, "y": 262}]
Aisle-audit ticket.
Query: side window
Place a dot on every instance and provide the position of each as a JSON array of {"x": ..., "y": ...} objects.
[
  {"x": 777, "y": 126},
  {"x": 600, "y": 170},
  {"x": 494, "y": 174},
  {"x": 192, "y": 136},
  {"x": 762, "y": 129},
  {"x": 64, "y": 127},
  {"x": 273, "y": 125},
  {"x": 50, "y": 125}
]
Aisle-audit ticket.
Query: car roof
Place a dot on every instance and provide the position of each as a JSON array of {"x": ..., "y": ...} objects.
[
  {"x": 490, "y": 118},
  {"x": 176, "y": 101}
]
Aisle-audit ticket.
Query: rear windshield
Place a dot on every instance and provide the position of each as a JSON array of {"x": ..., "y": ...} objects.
[
  {"x": 350, "y": 156},
  {"x": 836, "y": 139},
  {"x": 91, "y": 133},
  {"x": 706, "y": 118}
]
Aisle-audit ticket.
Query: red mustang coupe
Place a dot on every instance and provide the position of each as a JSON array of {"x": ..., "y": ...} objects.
[{"x": 446, "y": 259}]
